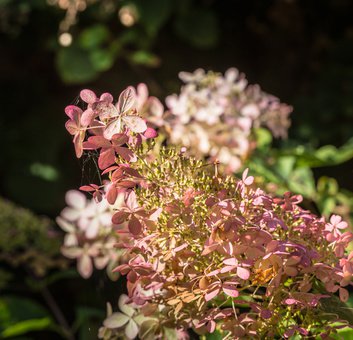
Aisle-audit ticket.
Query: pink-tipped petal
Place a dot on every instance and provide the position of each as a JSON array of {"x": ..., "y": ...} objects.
[{"x": 88, "y": 96}]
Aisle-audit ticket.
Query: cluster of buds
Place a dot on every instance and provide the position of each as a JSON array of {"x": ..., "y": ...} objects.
[
  {"x": 214, "y": 116},
  {"x": 206, "y": 252}
]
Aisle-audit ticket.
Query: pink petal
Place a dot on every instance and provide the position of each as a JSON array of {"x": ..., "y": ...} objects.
[
  {"x": 131, "y": 201},
  {"x": 290, "y": 301},
  {"x": 135, "y": 123},
  {"x": 150, "y": 133},
  {"x": 126, "y": 153},
  {"x": 135, "y": 226},
  {"x": 87, "y": 117},
  {"x": 106, "y": 97},
  {"x": 106, "y": 158},
  {"x": 344, "y": 295},
  {"x": 88, "y": 188},
  {"x": 243, "y": 273},
  {"x": 89, "y": 146},
  {"x": 127, "y": 100},
  {"x": 211, "y": 326},
  {"x": 112, "y": 194},
  {"x": 231, "y": 262},
  {"x": 78, "y": 141},
  {"x": 73, "y": 111},
  {"x": 99, "y": 141},
  {"x": 210, "y": 295},
  {"x": 88, "y": 96},
  {"x": 71, "y": 127},
  {"x": 230, "y": 290},
  {"x": 119, "y": 217},
  {"x": 119, "y": 139}
]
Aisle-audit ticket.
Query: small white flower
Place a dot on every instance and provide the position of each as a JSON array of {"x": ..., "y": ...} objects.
[{"x": 129, "y": 318}]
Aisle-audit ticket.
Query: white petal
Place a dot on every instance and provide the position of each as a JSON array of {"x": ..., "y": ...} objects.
[
  {"x": 84, "y": 266},
  {"x": 65, "y": 225},
  {"x": 75, "y": 199},
  {"x": 125, "y": 308},
  {"x": 131, "y": 329},
  {"x": 70, "y": 240},
  {"x": 101, "y": 262},
  {"x": 72, "y": 252},
  {"x": 112, "y": 128},
  {"x": 92, "y": 229},
  {"x": 140, "y": 318},
  {"x": 116, "y": 320},
  {"x": 71, "y": 214}
]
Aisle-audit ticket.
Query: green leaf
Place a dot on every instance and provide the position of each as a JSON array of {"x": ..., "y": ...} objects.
[
  {"x": 170, "y": 333},
  {"x": 263, "y": 138},
  {"x": 93, "y": 37},
  {"x": 21, "y": 309},
  {"x": 334, "y": 305},
  {"x": 26, "y": 326},
  {"x": 102, "y": 59},
  {"x": 75, "y": 66},
  {"x": 327, "y": 155},
  {"x": 285, "y": 166},
  {"x": 344, "y": 333},
  {"x": 21, "y": 315},
  {"x": 145, "y": 58},
  {"x": 198, "y": 27},
  {"x": 216, "y": 335},
  {"x": 301, "y": 181},
  {"x": 44, "y": 171}
]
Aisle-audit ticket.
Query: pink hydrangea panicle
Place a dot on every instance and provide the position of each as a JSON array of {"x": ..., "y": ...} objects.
[{"x": 201, "y": 251}]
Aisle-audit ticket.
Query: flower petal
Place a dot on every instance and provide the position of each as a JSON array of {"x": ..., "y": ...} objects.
[
  {"x": 124, "y": 307},
  {"x": 75, "y": 199},
  {"x": 116, "y": 320},
  {"x": 84, "y": 266},
  {"x": 88, "y": 96}
]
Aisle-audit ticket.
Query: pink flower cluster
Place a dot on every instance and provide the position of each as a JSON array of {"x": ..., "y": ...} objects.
[
  {"x": 90, "y": 234},
  {"x": 214, "y": 116},
  {"x": 205, "y": 252}
]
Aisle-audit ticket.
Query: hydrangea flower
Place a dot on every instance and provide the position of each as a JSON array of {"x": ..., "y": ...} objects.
[
  {"x": 90, "y": 233},
  {"x": 213, "y": 252},
  {"x": 214, "y": 116}
]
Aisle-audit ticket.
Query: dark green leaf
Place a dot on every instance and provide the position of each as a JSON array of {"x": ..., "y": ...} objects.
[
  {"x": 26, "y": 326},
  {"x": 93, "y": 37},
  {"x": 216, "y": 335},
  {"x": 75, "y": 66},
  {"x": 102, "y": 59},
  {"x": 145, "y": 58}
]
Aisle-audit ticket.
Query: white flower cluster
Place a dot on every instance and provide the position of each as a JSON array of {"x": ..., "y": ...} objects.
[
  {"x": 214, "y": 115},
  {"x": 90, "y": 235}
]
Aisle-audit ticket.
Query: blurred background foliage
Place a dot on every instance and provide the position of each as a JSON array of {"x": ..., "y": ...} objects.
[{"x": 298, "y": 50}]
